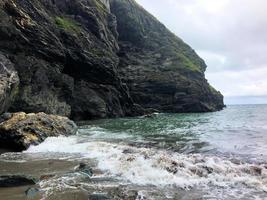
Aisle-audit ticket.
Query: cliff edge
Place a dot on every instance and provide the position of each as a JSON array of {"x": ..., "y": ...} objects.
[{"x": 95, "y": 59}]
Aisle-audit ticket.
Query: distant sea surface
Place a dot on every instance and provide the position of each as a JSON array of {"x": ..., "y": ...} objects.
[{"x": 220, "y": 155}]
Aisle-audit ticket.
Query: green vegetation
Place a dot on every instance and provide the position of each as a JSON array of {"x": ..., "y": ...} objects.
[
  {"x": 213, "y": 90},
  {"x": 67, "y": 24},
  {"x": 188, "y": 63},
  {"x": 100, "y": 6},
  {"x": 180, "y": 61}
]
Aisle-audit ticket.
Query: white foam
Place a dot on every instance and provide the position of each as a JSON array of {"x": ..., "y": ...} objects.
[
  {"x": 96, "y": 132},
  {"x": 144, "y": 166}
]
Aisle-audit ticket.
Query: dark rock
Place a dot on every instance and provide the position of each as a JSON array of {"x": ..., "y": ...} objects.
[
  {"x": 2, "y": 151},
  {"x": 23, "y": 130},
  {"x": 45, "y": 177},
  {"x": 151, "y": 115},
  {"x": 5, "y": 116},
  {"x": 98, "y": 197},
  {"x": 128, "y": 151},
  {"x": 15, "y": 181},
  {"x": 161, "y": 71},
  {"x": 255, "y": 170},
  {"x": 96, "y": 59},
  {"x": 172, "y": 169},
  {"x": 65, "y": 54},
  {"x": 9, "y": 82},
  {"x": 85, "y": 169},
  {"x": 69, "y": 194},
  {"x": 125, "y": 193},
  {"x": 208, "y": 169},
  {"x": 32, "y": 192}
]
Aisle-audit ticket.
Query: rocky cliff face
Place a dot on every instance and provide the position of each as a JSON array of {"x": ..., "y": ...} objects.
[
  {"x": 160, "y": 70},
  {"x": 9, "y": 82},
  {"x": 94, "y": 59}
]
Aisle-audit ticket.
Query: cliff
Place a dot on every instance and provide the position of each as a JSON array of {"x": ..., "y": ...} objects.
[{"x": 94, "y": 59}]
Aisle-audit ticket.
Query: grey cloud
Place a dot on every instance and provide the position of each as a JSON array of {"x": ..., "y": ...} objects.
[
  {"x": 237, "y": 30},
  {"x": 231, "y": 35}
]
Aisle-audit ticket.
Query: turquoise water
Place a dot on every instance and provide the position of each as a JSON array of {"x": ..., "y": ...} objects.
[
  {"x": 214, "y": 156},
  {"x": 240, "y": 130}
]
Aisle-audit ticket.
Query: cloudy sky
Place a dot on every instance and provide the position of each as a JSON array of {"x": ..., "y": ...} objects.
[{"x": 230, "y": 35}]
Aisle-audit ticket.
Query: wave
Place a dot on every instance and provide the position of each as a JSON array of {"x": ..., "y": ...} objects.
[{"x": 146, "y": 166}]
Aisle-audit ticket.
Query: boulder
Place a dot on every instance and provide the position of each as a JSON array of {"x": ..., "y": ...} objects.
[
  {"x": 15, "y": 181},
  {"x": 21, "y": 130}
]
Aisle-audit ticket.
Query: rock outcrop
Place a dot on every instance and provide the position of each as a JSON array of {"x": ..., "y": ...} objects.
[
  {"x": 161, "y": 71},
  {"x": 9, "y": 82},
  {"x": 20, "y": 130},
  {"x": 15, "y": 181},
  {"x": 95, "y": 59}
]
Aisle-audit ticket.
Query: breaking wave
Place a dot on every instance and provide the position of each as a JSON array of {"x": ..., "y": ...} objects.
[{"x": 161, "y": 168}]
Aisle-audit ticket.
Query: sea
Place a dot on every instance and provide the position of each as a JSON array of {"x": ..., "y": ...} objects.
[{"x": 216, "y": 156}]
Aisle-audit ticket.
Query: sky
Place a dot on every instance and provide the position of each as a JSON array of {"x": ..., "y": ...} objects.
[{"x": 230, "y": 35}]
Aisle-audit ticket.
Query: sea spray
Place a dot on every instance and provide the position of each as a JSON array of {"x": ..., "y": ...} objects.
[{"x": 148, "y": 166}]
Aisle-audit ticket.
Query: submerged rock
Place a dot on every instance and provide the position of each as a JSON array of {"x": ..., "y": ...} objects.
[
  {"x": 22, "y": 130},
  {"x": 124, "y": 193},
  {"x": 85, "y": 169},
  {"x": 99, "y": 197},
  {"x": 15, "y": 181},
  {"x": 151, "y": 115},
  {"x": 32, "y": 192}
]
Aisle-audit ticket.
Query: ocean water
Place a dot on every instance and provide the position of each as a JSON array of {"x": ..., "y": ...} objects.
[{"x": 220, "y": 155}]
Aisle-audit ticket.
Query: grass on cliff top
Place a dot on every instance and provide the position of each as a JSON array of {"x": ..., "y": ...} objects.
[
  {"x": 185, "y": 63},
  {"x": 213, "y": 90},
  {"x": 188, "y": 63},
  {"x": 179, "y": 60},
  {"x": 67, "y": 24}
]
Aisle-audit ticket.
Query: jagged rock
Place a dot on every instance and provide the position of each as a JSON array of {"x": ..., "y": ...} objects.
[
  {"x": 95, "y": 59},
  {"x": 150, "y": 115},
  {"x": 5, "y": 116},
  {"x": 23, "y": 130},
  {"x": 32, "y": 192},
  {"x": 9, "y": 82},
  {"x": 63, "y": 49},
  {"x": 161, "y": 71},
  {"x": 124, "y": 193},
  {"x": 83, "y": 168},
  {"x": 15, "y": 181}
]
